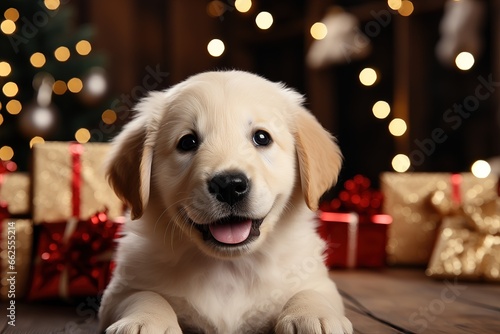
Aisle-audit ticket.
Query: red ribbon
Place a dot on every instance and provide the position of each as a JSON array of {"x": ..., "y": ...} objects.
[
  {"x": 456, "y": 183},
  {"x": 76, "y": 150}
]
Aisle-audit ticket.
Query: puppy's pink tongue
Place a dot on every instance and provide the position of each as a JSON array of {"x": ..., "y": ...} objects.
[{"x": 231, "y": 233}]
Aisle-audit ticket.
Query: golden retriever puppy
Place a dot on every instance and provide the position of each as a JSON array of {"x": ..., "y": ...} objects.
[{"x": 221, "y": 173}]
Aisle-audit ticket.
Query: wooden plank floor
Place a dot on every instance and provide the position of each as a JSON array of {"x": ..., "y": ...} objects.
[{"x": 386, "y": 301}]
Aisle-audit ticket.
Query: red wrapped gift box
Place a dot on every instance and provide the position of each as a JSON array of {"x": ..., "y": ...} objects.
[
  {"x": 354, "y": 243},
  {"x": 73, "y": 259}
]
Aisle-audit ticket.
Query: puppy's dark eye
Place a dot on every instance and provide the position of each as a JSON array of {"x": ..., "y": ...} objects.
[
  {"x": 188, "y": 143},
  {"x": 262, "y": 138}
]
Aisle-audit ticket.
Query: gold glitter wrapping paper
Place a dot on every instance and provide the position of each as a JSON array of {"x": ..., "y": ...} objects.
[
  {"x": 468, "y": 245},
  {"x": 407, "y": 198},
  {"x": 14, "y": 190},
  {"x": 52, "y": 177},
  {"x": 23, "y": 247}
]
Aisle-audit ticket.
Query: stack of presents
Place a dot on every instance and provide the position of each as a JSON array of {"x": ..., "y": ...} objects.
[{"x": 60, "y": 222}]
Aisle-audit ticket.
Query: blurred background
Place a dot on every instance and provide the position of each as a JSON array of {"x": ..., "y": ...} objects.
[{"x": 403, "y": 85}]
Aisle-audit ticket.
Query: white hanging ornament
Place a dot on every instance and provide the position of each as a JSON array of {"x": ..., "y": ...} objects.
[
  {"x": 95, "y": 86},
  {"x": 41, "y": 117},
  {"x": 344, "y": 41},
  {"x": 460, "y": 30}
]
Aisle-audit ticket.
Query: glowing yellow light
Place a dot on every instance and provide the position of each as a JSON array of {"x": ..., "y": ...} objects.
[
  {"x": 406, "y": 8},
  {"x": 394, "y": 4},
  {"x": 381, "y": 109},
  {"x": 10, "y": 89},
  {"x": 216, "y": 47},
  {"x": 108, "y": 116},
  {"x": 5, "y": 69},
  {"x": 37, "y": 59},
  {"x": 11, "y": 14},
  {"x": 14, "y": 107},
  {"x": 400, "y": 163},
  {"x": 1, "y": 119},
  {"x": 368, "y": 76},
  {"x": 397, "y": 127},
  {"x": 243, "y": 6},
  {"x": 319, "y": 30},
  {"x": 83, "y": 47},
  {"x": 62, "y": 53},
  {"x": 59, "y": 87},
  {"x": 75, "y": 85},
  {"x": 52, "y": 4},
  {"x": 8, "y": 27},
  {"x": 264, "y": 20},
  {"x": 481, "y": 169},
  {"x": 6, "y": 153},
  {"x": 36, "y": 140},
  {"x": 82, "y": 135},
  {"x": 464, "y": 61},
  {"x": 0, "y": 105}
]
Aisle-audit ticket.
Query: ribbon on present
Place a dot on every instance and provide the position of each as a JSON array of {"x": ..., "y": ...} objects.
[
  {"x": 468, "y": 244},
  {"x": 82, "y": 249},
  {"x": 357, "y": 196}
]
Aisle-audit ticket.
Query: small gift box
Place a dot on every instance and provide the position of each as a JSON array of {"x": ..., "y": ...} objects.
[
  {"x": 354, "y": 229},
  {"x": 407, "y": 198},
  {"x": 352, "y": 243},
  {"x": 69, "y": 181},
  {"x": 16, "y": 240},
  {"x": 14, "y": 189},
  {"x": 468, "y": 243},
  {"x": 73, "y": 259}
]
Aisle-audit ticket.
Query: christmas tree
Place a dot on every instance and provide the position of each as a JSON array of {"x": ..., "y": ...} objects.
[{"x": 52, "y": 84}]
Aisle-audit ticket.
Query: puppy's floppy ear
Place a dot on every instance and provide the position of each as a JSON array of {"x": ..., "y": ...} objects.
[
  {"x": 129, "y": 167},
  {"x": 318, "y": 155}
]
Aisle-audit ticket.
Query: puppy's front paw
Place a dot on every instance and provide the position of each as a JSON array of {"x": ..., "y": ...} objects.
[
  {"x": 132, "y": 325},
  {"x": 309, "y": 322}
]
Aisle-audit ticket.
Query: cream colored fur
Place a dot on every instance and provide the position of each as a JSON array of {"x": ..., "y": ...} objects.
[{"x": 168, "y": 279}]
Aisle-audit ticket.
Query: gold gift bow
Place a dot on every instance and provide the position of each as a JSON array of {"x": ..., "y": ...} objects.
[{"x": 467, "y": 245}]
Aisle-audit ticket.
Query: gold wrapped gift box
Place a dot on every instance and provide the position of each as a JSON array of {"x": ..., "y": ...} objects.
[
  {"x": 407, "y": 198},
  {"x": 468, "y": 245},
  {"x": 53, "y": 188},
  {"x": 14, "y": 190}
]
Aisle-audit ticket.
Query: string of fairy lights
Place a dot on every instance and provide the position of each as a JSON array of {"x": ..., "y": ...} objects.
[
  {"x": 95, "y": 83},
  {"x": 368, "y": 76}
]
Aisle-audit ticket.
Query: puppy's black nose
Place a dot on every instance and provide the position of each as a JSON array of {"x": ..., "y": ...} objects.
[{"x": 229, "y": 187}]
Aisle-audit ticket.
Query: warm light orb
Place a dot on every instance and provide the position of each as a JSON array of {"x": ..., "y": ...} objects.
[
  {"x": 8, "y": 27},
  {"x": 82, "y": 135},
  {"x": 243, "y": 6},
  {"x": 264, "y": 20},
  {"x": 368, "y": 76},
  {"x": 397, "y": 127},
  {"x": 59, "y": 87},
  {"x": 10, "y": 89},
  {"x": 75, "y": 85},
  {"x": 5, "y": 69},
  {"x": 216, "y": 47},
  {"x": 464, "y": 61},
  {"x": 394, "y": 4},
  {"x": 6, "y": 153},
  {"x": 37, "y": 59},
  {"x": 1, "y": 119},
  {"x": 406, "y": 8},
  {"x": 62, "y": 53},
  {"x": 52, "y": 4},
  {"x": 400, "y": 163},
  {"x": 36, "y": 140},
  {"x": 108, "y": 116},
  {"x": 11, "y": 14},
  {"x": 481, "y": 169},
  {"x": 319, "y": 30},
  {"x": 13, "y": 107},
  {"x": 381, "y": 109},
  {"x": 83, "y": 47}
]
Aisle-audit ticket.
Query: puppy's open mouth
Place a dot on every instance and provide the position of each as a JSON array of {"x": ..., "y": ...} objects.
[{"x": 230, "y": 231}]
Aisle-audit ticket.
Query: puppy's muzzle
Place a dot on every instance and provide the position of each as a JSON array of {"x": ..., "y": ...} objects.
[{"x": 230, "y": 187}]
